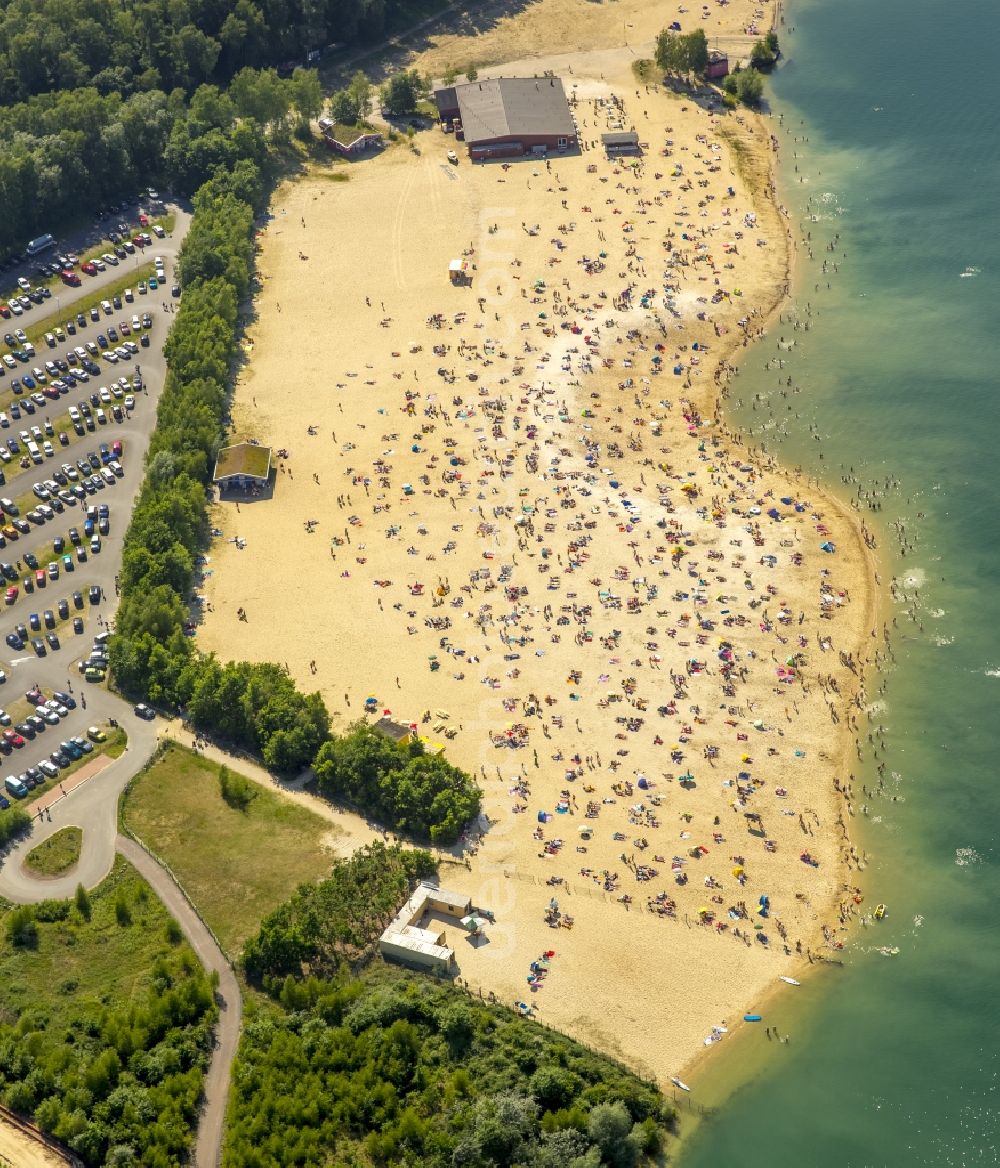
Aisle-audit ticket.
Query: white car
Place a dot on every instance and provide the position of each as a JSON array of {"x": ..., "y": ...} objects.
[
  {"x": 110, "y": 258},
  {"x": 130, "y": 402},
  {"x": 158, "y": 231},
  {"x": 106, "y": 307}
]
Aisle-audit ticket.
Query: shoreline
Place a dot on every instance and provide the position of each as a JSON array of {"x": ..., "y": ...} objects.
[
  {"x": 707, "y": 1061},
  {"x": 705, "y": 1064}
]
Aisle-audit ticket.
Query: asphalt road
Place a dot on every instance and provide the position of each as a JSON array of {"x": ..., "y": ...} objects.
[{"x": 93, "y": 807}]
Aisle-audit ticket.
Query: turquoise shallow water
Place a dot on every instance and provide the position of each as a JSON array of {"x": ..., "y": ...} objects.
[{"x": 896, "y": 1063}]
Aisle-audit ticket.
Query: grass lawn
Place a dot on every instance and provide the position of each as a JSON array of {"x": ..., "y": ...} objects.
[
  {"x": 236, "y": 865},
  {"x": 57, "y": 854},
  {"x": 79, "y": 967}
]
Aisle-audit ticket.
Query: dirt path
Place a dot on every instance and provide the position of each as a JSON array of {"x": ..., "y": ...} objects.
[{"x": 208, "y": 1149}]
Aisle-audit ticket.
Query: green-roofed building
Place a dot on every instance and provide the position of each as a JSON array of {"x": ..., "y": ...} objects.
[{"x": 243, "y": 467}]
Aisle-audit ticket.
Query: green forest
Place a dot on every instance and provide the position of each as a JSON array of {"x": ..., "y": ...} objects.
[
  {"x": 394, "y": 1069},
  {"x": 105, "y": 1028},
  {"x": 99, "y": 98}
]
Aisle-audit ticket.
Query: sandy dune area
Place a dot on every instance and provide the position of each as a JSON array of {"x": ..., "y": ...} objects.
[{"x": 510, "y": 515}]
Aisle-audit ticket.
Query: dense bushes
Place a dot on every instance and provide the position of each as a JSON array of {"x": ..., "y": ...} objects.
[
  {"x": 14, "y": 822},
  {"x": 399, "y": 785},
  {"x": 105, "y": 1031},
  {"x": 337, "y": 920},
  {"x": 393, "y": 1069}
]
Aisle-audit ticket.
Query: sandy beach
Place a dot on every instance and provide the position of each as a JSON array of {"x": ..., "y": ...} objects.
[{"x": 511, "y": 513}]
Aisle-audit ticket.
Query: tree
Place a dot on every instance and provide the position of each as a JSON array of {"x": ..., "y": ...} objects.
[
  {"x": 306, "y": 95},
  {"x": 668, "y": 54},
  {"x": 360, "y": 91},
  {"x": 610, "y": 1127},
  {"x": 749, "y": 86},
  {"x": 679, "y": 55},
  {"x": 343, "y": 108},
  {"x": 236, "y": 790},
  {"x": 82, "y": 902},
  {"x": 401, "y": 92},
  {"x": 22, "y": 931},
  {"x": 261, "y": 95}
]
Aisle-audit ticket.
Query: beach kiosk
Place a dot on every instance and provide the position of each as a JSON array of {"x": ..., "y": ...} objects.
[
  {"x": 457, "y": 270},
  {"x": 244, "y": 467}
]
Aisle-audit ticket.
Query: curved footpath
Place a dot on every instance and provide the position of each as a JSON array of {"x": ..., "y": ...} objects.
[{"x": 208, "y": 1148}]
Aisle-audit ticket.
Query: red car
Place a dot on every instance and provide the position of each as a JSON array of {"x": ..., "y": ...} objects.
[
  {"x": 70, "y": 278},
  {"x": 40, "y": 577},
  {"x": 13, "y": 738},
  {"x": 5, "y": 311},
  {"x": 11, "y": 595},
  {"x": 89, "y": 268},
  {"x": 35, "y": 696},
  {"x": 143, "y": 219}
]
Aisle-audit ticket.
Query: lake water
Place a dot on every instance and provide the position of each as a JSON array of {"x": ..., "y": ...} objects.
[{"x": 894, "y": 1061}]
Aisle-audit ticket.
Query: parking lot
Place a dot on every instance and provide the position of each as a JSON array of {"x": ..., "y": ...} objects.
[{"x": 72, "y": 449}]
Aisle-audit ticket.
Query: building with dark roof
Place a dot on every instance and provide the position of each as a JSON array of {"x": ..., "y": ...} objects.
[
  {"x": 621, "y": 142},
  {"x": 508, "y": 117}
]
